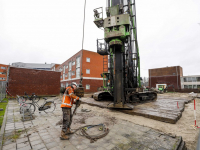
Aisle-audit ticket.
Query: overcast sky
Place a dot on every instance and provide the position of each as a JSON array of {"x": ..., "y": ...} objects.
[{"x": 39, "y": 31}]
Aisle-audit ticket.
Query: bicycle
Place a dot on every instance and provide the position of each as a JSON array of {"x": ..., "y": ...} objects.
[
  {"x": 47, "y": 106},
  {"x": 25, "y": 107},
  {"x": 33, "y": 96}
]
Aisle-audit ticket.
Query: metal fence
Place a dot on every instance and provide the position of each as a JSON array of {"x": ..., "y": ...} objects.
[{"x": 2, "y": 90}]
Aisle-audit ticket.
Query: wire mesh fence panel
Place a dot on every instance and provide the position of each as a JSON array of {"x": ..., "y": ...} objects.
[{"x": 2, "y": 90}]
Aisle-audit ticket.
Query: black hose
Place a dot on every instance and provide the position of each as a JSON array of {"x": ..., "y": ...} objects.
[{"x": 92, "y": 138}]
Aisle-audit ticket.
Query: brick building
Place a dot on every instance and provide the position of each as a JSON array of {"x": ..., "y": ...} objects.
[
  {"x": 89, "y": 63},
  {"x": 40, "y": 82},
  {"x": 3, "y": 72},
  {"x": 53, "y": 68},
  {"x": 166, "y": 76}
]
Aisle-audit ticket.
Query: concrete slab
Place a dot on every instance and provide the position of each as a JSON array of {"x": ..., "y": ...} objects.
[{"x": 163, "y": 109}]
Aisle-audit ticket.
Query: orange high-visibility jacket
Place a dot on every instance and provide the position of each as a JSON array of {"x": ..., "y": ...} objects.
[{"x": 69, "y": 98}]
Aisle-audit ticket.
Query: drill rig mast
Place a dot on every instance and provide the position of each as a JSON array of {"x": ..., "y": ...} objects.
[{"x": 122, "y": 78}]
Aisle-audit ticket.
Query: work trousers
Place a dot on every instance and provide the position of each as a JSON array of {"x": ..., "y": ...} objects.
[{"x": 66, "y": 118}]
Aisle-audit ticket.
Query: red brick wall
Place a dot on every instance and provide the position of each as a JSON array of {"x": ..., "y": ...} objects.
[
  {"x": 167, "y": 71},
  {"x": 94, "y": 84},
  {"x": 40, "y": 82},
  {"x": 95, "y": 65},
  {"x": 167, "y": 75},
  {"x": 165, "y": 80},
  {"x": 4, "y": 71}
]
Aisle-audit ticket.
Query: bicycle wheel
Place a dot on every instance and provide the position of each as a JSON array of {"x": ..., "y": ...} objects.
[
  {"x": 36, "y": 98},
  {"x": 31, "y": 107},
  {"x": 51, "y": 108}
]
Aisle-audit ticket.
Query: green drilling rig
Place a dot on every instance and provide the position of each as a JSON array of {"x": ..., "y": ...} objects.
[{"x": 121, "y": 69}]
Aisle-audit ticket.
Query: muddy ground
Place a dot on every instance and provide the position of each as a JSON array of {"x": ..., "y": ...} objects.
[{"x": 181, "y": 128}]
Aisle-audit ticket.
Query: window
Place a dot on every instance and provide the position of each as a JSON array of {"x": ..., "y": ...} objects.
[
  {"x": 78, "y": 67},
  {"x": 190, "y": 86},
  {"x": 66, "y": 75},
  {"x": 73, "y": 73},
  {"x": 70, "y": 66},
  {"x": 189, "y": 79},
  {"x": 62, "y": 85},
  {"x": 1, "y": 72},
  {"x": 67, "y": 84},
  {"x": 67, "y": 67},
  {"x": 194, "y": 86},
  {"x": 61, "y": 76},
  {"x": 78, "y": 73},
  {"x": 87, "y": 71},
  {"x": 186, "y": 87},
  {"x": 87, "y": 59},
  {"x": 2, "y": 78},
  {"x": 198, "y": 86},
  {"x": 198, "y": 79},
  {"x": 73, "y": 63},
  {"x": 87, "y": 86},
  {"x": 3, "y": 67},
  {"x": 78, "y": 62},
  {"x": 63, "y": 69},
  {"x": 69, "y": 74},
  {"x": 194, "y": 79},
  {"x": 185, "y": 79}
]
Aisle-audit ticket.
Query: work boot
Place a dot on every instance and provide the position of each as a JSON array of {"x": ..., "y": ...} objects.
[
  {"x": 64, "y": 136},
  {"x": 68, "y": 131}
]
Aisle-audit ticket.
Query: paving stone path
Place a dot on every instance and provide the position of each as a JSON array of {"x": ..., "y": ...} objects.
[{"x": 42, "y": 133}]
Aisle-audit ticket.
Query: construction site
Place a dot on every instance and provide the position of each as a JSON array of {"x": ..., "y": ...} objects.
[{"x": 99, "y": 100}]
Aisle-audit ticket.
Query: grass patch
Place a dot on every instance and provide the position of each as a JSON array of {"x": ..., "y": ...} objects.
[{"x": 3, "y": 105}]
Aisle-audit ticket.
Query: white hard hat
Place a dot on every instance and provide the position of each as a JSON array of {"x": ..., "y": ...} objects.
[{"x": 74, "y": 83}]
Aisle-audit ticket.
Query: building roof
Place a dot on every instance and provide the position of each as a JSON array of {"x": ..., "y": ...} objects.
[{"x": 31, "y": 65}]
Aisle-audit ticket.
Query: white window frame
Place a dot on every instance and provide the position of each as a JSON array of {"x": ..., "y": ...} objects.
[
  {"x": 87, "y": 59},
  {"x": 63, "y": 76},
  {"x": 67, "y": 84},
  {"x": 61, "y": 84},
  {"x": 73, "y": 63},
  {"x": 63, "y": 69},
  {"x": 87, "y": 71},
  {"x": 87, "y": 87},
  {"x": 70, "y": 66},
  {"x": 3, "y": 67},
  {"x": 77, "y": 73},
  {"x": 66, "y": 75},
  {"x": 69, "y": 75}
]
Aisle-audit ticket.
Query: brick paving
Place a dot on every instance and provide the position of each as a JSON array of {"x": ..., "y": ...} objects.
[{"x": 42, "y": 133}]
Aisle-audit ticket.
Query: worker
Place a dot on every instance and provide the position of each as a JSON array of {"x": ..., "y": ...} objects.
[{"x": 69, "y": 98}]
